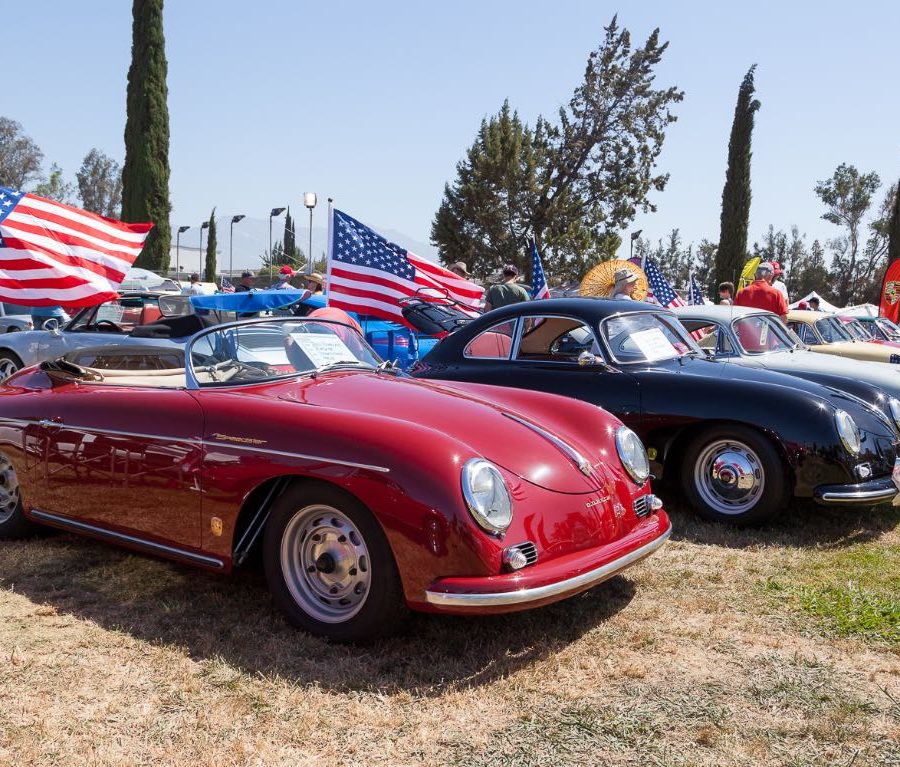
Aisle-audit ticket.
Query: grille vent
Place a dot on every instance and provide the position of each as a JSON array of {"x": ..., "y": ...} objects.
[
  {"x": 642, "y": 506},
  {"x": 528, "y": 549}
]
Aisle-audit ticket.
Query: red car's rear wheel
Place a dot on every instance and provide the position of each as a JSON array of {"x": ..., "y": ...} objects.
[
  {"x": 12, "y": 519},
  {"x": 330, "y": 567}
]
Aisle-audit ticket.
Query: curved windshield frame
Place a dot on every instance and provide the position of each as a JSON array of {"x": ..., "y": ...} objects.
[
  {"x": 261, "y": 351},
  {"x": 860, "y": 331},
  {"x": 832, "y": 331},
  {"x": 762, "y": 334},
  {"x": 638, "y": 338},
  {"x": 888, "y": 329}
]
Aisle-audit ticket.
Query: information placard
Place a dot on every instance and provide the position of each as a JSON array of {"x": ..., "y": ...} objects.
[{"x": 323, "y": 348}]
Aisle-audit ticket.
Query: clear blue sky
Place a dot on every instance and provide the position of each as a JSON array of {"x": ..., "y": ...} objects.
[{"x": 374, "y": 103}]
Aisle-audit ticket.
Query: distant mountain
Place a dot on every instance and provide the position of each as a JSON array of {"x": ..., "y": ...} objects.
[{"x": 251, "y": 241}]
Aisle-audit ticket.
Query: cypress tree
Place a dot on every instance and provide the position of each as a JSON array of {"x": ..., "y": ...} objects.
[
  {"x": 894, "y": 228},
  {"x": 145, "y": 176},
  {"x": 210, "y": 269},
  {"x": 290, "y": 242},
  {"x": 732, "y": 251}
]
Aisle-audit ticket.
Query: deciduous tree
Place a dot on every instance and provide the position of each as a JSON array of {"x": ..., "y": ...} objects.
[
  {"x": 20, "y": 157},
  {"x": 55, "y": 187},
  {"x": 100, "y": 184}
]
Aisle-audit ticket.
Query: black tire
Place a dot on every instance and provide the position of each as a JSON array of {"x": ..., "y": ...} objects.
[
  {"x": 360, "y": 598},
  {"x": 9, "y": 363},
  {"x": 13, "y": 524},
  {"x": 751, "y": 461}
]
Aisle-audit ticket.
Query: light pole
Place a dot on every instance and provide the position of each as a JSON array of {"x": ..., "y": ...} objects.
[
  {"x": 204, "y": 225},
  {"x": 181, "y": 230},
  {"x": 275, "y": 212},
  {"x": 234, "y": 220},
  {"x": 634, "y": 236},
  {"x": 309, "y": 200}
]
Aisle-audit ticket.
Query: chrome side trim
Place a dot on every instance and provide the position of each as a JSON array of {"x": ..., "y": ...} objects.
[
  {"x": 112, "y": 535},
  {"x": 16, "y": 421},
  {"x": 859, "y": 496},
  {"x": 524, "y": 596},
  {"x": 570, "y": 452},
  {"x": 302, "y": 456}
]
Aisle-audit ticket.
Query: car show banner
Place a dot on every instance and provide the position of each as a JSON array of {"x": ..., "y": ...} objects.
[
  {"x": 890, "y": 292},
  {"x": 55, "y": 254}
]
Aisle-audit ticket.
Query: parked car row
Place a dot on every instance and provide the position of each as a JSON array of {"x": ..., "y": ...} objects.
[{"x": 508, "y": 469}]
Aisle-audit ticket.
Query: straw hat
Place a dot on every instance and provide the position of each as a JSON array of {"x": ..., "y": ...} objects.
[
  {"x": 600, "y": 281},
  {"x": 316, "y": 278}
]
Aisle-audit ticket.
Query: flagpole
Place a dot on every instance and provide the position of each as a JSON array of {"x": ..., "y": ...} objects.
[{"x": 330, "y": 250}]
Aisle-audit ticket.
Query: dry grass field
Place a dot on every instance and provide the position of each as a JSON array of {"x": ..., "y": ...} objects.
[{"x": 776, "y": 646}]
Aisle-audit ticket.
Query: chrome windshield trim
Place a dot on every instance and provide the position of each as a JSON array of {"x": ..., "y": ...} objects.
[
  {"x": 113, "y": 535},
  {"x": 523, "y": 596},
  {"x": 584, "y": 466}
]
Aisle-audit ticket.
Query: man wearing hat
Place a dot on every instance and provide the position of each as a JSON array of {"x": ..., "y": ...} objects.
[
  {"x": 246, "y": 283},
  {"x": 315, "y": 283},
  {"x": 624, "y": 285},
  {"x": 284, "y": 278},
  {"x": 507, "y": 292},
  {"x": 460, "y": 269},
  {"x": 777, "y": 283},
  {"x": 760, "y": 294}
]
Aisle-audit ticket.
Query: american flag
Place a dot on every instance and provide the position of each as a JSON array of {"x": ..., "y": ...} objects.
[
  {"x": 661, "y": 292},
  {"x": 695, "y": 295},
  {"x": 52, "y": 254},
  {"x": 539, "y": 287},
  {"x": 369, "y": 275},
  {"x": 227, "y": 287}
]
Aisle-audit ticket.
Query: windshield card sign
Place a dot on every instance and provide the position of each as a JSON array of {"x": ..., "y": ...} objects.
[
  {"x": 653, "y": 344},
  {"x": 323, "y": 349}
]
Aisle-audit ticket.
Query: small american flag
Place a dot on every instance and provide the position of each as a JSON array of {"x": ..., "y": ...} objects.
[
  {"x": 539, "y": 287},
  {"x": 52, "y": 254},
  {"x": 368, "y": 274},
  {"x": 661, "y": 292},
  {"x": 227, "y": 287},
  {"x": 695, "y": 295}
]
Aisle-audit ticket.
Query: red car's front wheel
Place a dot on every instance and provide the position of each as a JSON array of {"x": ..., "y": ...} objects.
[{"x": 330, "y": 567}]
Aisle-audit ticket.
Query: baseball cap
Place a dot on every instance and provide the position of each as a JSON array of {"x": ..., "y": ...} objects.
[
  {"x": 776, "y": 267},
  {"x": 246, "y": 274},
  {"x": 286, "y": 270}
]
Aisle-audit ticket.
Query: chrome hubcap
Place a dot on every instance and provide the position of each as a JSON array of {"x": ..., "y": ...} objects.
[
  {"x": 7, "y": 367},
  {"x": 325, "y": 564},
  {"x": 729, "y": 477},
  {"x": 9, "y": 489}
]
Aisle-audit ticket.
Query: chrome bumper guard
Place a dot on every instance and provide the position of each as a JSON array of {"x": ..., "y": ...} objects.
[
  {"x": 538, "y": 593},
  {"x": 882, "y": 490}
]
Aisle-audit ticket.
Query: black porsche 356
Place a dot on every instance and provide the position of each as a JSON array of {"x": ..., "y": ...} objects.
[{"x": 739, "y": 442}]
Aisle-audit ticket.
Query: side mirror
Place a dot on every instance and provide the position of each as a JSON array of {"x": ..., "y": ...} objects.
[
  {"x": 52, "y": 326},
  {"x": 586, "y": 359}
]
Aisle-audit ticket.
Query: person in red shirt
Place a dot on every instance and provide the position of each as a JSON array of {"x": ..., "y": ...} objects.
[{"x": 760, "y": 294}]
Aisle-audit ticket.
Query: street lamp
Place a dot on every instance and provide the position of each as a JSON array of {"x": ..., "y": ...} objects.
[
  {"x": 309, "y": 200},
  {"x": 181, "y": 230},
  {"x": 234, "y": 220},
  {"x": 204, "y": 225},
  {"x": 634, "y": 236},
  {"x": 275, "y": 212}
]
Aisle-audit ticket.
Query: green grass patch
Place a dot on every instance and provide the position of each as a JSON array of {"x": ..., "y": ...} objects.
[{"x": 854, "y": 591}]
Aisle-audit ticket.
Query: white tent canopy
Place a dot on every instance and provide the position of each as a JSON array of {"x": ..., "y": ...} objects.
[
  {"x": 823, "y": 304},
  {"x": 861, "y": 310}
]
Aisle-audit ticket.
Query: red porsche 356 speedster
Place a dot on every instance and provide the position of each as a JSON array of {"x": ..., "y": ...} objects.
[{"x": 369, "y": 492}]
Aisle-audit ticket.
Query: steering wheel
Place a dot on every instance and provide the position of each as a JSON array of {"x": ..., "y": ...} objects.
[{"x": 108, "y": 323}]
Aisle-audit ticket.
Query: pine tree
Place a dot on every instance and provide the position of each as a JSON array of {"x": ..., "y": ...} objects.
[
  {"x": 732, "y": 252},
  {"x": 290, "y": 240},
  {"x": 893, "y": 252},
  {"x": 210, "y": 268},
  {"x": 145, "y": 176}
]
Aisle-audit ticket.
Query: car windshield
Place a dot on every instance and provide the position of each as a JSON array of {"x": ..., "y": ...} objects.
[
  {"x": 11, "y": 309},
  {"x": 832, "y": 331},
  {"x": 859, "y": 331},
  {"x": 890, "y": 331},
  {"x": 760, "y": 333},
  {"x": 646, "y": 337},
  {"x": 267, "y": 349}
]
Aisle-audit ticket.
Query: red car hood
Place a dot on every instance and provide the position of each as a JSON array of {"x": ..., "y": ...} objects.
[{"x": 483, "y": 426}]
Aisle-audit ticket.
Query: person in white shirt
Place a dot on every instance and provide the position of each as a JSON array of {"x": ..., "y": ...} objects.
[
  {"x": 197, "y": 288},
  {"x": 777, "y": 283},
  {"x": 284, "y": 278},
  {"x": 623, "y": 288}
]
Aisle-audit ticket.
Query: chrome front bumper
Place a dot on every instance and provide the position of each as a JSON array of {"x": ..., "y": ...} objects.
[{"x": 882, "y": 490}]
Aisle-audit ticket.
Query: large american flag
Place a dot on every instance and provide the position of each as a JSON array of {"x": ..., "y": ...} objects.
[
  {"x": 368, "y": 274},
  {"x": 539, "y": 287},
  {"x": 661, "y": 292},
  {"x": 52, "y": 254}
]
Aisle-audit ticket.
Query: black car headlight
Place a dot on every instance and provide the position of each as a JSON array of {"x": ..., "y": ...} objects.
[
  {"x": 848, "y": 431},
  {"x": 632, "y": 454},
  {"x": 486, "y": 495}
]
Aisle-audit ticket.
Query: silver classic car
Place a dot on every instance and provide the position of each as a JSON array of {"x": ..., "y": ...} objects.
[{"x": 132, "y": 319}]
